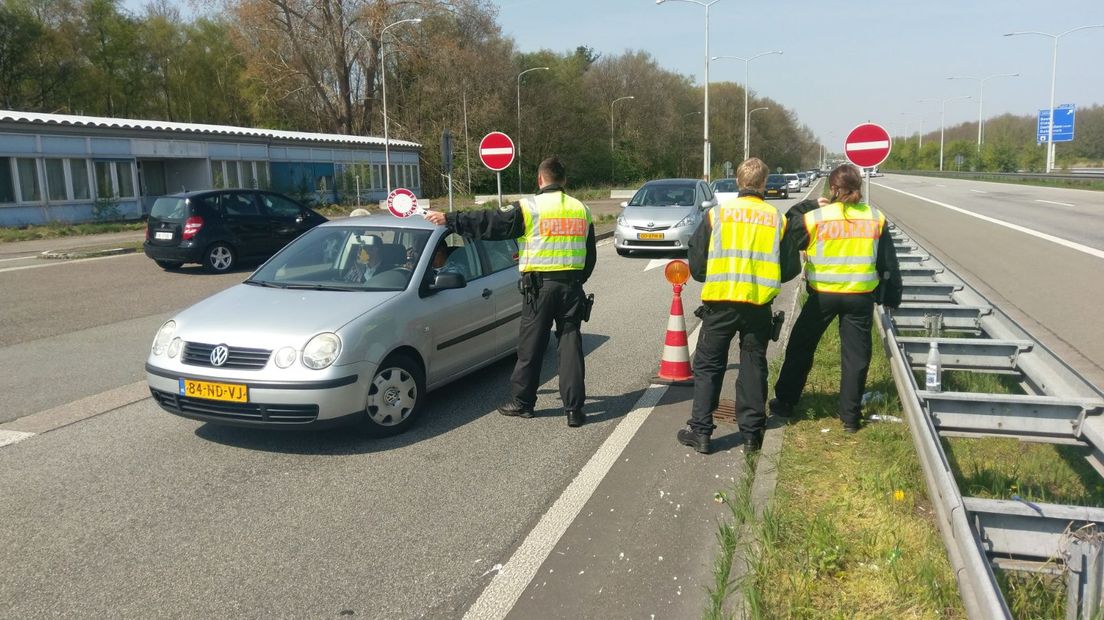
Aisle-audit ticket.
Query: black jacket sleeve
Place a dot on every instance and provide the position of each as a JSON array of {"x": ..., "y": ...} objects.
[
  {"x": 890, "y": 288},
  {"x": 795, "y": 223},
  {"x": 698, "y": 249},
  {"x": 591, "y": 254},
  {"x": 488, "y": 224}
]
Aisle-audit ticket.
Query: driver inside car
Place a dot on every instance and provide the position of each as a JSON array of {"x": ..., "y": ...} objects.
[{"x": 367, "y": 264}]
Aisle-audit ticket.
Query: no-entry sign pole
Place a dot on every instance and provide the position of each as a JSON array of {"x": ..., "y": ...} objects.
[
  {"x": 496, "y": 151},
  {"x": 867, "y": 146}
]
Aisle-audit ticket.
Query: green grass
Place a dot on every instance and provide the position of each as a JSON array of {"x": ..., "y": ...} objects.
[{"x": 56, "y": 230}]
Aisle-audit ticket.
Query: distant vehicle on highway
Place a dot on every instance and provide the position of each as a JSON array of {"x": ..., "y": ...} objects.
[
  {"x": 793, "y": 182},
  {"x": 662, "y": 215},
  {"x": 725, "y": 189},
  {"x": 350, "y": 323},
  {"x": 806, "y": 178},
  {"x": 220, "y": 228},
  {"x": 777, "y": 185}
]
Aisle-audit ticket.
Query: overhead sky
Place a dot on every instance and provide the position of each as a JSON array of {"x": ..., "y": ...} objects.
[{"x": 844, "y": 63}]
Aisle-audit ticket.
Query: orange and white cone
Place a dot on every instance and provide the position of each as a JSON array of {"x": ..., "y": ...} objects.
[{"x": 674, "y": 366}]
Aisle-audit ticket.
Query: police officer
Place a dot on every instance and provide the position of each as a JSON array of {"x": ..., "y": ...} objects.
[
  {"x": 557, "y": 254},
  {"x": 743, "y": 256},
  {"x": 850, "y": 264}
]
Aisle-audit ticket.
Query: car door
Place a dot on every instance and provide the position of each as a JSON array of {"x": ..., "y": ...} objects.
[
  {"x": 287, "y": 219},
  {"x": 242, "y": 219},
  {"x": 501, "y": 261},
  {"x": 462, "y": 321}
]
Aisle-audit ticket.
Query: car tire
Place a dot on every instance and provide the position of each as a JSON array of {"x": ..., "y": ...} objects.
[
  {"x": 623, "y": 252},
  {"x": 219, "y": 258},
  {"x": 395, "y": 397},
  {"x": 168, "y": 265}
]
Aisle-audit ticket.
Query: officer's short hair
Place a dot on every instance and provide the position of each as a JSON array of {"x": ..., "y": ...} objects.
[
  {"x": 846, "y": 183},
  {"x": 752, "y": 174},
  {"x": 553, "y": 171}
]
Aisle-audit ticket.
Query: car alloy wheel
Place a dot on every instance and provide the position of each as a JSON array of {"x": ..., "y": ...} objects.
[
  {"x": 395, "y": 396},
  {"x": 219, "y": 258}
]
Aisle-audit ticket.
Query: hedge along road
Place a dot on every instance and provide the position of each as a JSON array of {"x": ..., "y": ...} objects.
[{"x": 1036, "y": 252}]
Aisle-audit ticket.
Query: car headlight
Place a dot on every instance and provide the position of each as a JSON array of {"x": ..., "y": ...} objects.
[
  {"x": 621, "y": 221},
  {"x": 285, "y": 357},
  {"x": 164, "y": 336},
  {"x": 174, "y": 347},
  {"x": 686, "y": 221},
  {"x": 321, "y": 351}
]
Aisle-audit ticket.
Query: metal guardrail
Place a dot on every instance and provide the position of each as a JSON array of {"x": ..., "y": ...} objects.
[
  {"x": 1059, "y": 407},
  {"x": 1086, "y": 175}
]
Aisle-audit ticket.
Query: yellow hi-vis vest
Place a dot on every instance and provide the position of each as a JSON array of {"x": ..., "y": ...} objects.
[
  {"x": 744, "y": 262},
  {"x": 556, "y": 227},
  {"x": 843, "y": 248}
]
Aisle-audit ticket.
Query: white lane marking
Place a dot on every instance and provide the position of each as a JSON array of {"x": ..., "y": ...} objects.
[
  {"x": 500, "y": 596},
  {"x": 940, "y": 185},
  {"x": 604, "y": 242},
  {"x": 8, "y": 438},
  {"x": 978, "y": 191},
  {"x": 4, "y": 260},
  {"x": 58, "y": 262},
  {"x": 1051, "y": 202},
  {"x": 656, "y": 263},
  {"x": 1027, "y": 231},
  {"x": 505, "y": 150},
  {"x": 866, "y": 146}
]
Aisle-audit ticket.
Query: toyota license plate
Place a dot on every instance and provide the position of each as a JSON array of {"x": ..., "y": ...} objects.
[
  {"x": 232, "y": 392},
  {"x": 162, "y": 235},
  {"x": 651, "y": 235}
]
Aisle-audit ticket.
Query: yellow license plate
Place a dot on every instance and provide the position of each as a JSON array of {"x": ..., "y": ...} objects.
[
  {"x": 232, "y": 392},
  {"x": 651, "y": 235}
]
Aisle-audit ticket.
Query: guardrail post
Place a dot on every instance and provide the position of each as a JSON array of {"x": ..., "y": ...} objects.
[{"x": 1085, "y": 561}]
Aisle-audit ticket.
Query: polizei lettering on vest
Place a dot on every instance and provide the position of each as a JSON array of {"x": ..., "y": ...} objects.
[
  {"x": 731, "y": 215},
  {"x": 563, "y": 227},
  {"x": 850, "y": 229}
]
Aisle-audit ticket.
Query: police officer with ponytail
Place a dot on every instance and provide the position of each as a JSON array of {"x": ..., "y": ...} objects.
[
  {"x": 557, "y": 254},
  {"x": 850, "y": 264},
  {"x": 743, "y": 255}
]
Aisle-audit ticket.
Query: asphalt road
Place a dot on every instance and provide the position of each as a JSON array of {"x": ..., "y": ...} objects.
[{"x": 1052, "y": 289}]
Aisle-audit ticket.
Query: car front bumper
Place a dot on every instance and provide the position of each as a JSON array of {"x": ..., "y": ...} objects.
[
  {"x": 271, "y": 404},
  {"x": 627, "y": 237}
]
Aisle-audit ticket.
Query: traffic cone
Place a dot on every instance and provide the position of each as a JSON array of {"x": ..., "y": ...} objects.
[{"x": 674, "y": 366}]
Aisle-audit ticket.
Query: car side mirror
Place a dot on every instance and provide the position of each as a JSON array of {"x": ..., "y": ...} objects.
[
  {"x": 624, "y": 204},
  {"x": 706, "y": 204},
  {"x": 448, "y": 280}
]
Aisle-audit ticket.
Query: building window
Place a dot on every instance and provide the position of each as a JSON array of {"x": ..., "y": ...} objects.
[
  {"x": 29, "y": 188},
  {"x": 7, "y": 187},
  {"x": 377, "y": 176},
  {"x": 233, "y": 179},
  {"x": 262, "y": 175},
  {"x": 124, "y": 175},
  {"x": 114, "y": 179},
  {"x": 78, "y": 173},
  {"x": 218, "y": 179},
  {"x": 55, "y": 180}
]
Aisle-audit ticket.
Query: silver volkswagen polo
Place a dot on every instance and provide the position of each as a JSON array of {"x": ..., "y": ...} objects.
[{"x": 350, "y": 323}]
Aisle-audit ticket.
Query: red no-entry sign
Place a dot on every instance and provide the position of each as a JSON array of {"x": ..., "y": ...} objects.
[
  {"x": 496, "y": 151},
  {"x": 867, "y": 145}
]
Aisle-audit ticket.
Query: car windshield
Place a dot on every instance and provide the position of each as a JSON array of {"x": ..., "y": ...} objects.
[
  {"x": 346, "y": 258},
  {"x": 726, "y": 185},
  {"x": 776, "y": 178},
  {"x": 664, "y": 195}
]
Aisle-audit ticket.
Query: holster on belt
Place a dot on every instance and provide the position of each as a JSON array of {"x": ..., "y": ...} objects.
[{"x": 529, "y": 285}]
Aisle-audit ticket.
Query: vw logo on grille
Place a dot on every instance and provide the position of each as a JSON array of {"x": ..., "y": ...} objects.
[{"x": 219, "y": 355}]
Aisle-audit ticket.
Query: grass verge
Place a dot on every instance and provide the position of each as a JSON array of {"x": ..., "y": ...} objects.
[{"x": 57, "y": 230}]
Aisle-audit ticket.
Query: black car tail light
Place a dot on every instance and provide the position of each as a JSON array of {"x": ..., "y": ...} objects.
[{"x": 192, "y": 226}]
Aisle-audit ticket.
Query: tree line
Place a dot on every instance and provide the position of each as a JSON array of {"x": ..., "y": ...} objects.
[
  {"x": 1009, "y": 145},
  {"x": 319, "y": 66}
]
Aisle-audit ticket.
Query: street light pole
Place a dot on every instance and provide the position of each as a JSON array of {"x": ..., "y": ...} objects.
[
  {"x": 942, "y": 120},
  {"x": 981, "y": 97},
  {"x": 613, "y": 161},
  {"x": 1053, "y": 73},
  {"x": 747, "y": 88},
  {"x": 921, "y": 128},
  {"x": 519, "y": 119},
  {"x": 747, "y": 145},
  {"x": 706, "y": 150},
  {"x": 383, "y": 82}
]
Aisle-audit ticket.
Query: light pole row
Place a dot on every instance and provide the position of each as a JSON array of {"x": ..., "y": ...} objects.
[
  {"x": 517, "y": 145},
  {"x": 747, "y": 87}
]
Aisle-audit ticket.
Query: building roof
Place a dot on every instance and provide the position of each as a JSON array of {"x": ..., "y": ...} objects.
[{"x": 193, "y": 128}]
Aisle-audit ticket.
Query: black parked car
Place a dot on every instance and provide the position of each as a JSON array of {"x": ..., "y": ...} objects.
[
  {"x": 219, "y": 228},
  {"x": 777, "y": 185}
]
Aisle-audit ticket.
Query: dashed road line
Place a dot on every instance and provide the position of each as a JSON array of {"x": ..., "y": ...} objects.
[
  {"x": 8, "y": 438},
  {"x": 55, "y": 263},
  {"x": 1051, "y": 202}
]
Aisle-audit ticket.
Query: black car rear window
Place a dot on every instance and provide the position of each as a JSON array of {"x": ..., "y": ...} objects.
[
  {"x": 776, "y": 178},
  {"x": 169, "y": 208}
]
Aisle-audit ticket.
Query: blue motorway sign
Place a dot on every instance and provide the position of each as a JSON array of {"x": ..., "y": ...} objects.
[{"x": 1063, "y": 124}]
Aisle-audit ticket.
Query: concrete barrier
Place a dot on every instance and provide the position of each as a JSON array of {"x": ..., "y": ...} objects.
[
  {"x": 623, "y": 194},
  {"x": 507, "y": 198}
]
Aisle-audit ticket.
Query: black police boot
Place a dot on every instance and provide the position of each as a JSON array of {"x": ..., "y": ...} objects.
[
  {"x": 513, "y": 409},
  {"x": 781, "y": 408},
  {"x": 575, "y": 418},
  {"x": 752, "y": 442},
  {"x": 850, "y": 427},
  {"x": 697, "y": 441}
]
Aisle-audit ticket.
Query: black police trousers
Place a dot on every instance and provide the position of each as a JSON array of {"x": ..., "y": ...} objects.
[
  {"x": 719, "y": 326},
  {"x": 559, "y": 303},
  {"x": 856, "y": 314}
]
